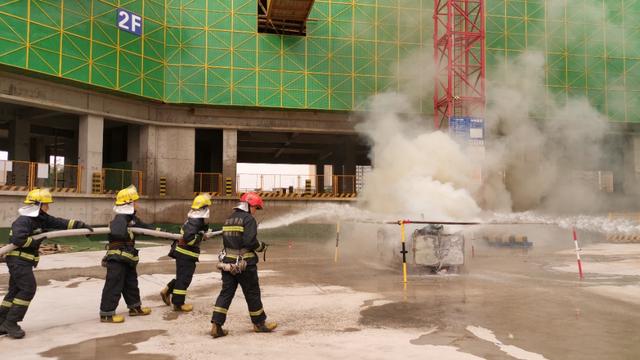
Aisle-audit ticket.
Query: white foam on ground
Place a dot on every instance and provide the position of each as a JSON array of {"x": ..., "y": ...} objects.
[
  {"x": 511, "y": 350},
  {"x": 631, "y": 250},
  {"x": 314, "y": 323},
  {"x": 629, "y": 267}
]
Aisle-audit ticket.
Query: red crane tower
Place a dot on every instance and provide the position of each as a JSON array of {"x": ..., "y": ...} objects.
[{"x": 459, "y": 55}]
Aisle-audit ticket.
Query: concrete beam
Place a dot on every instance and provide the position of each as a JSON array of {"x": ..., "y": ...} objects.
[
  {"x": 90, "y": 135},
  {"x": 27, "y": 91},
  {"x": 19, "y": 140}
]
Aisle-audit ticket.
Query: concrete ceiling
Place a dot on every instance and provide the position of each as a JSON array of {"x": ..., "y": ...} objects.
[{"x": 299, "y": 148}]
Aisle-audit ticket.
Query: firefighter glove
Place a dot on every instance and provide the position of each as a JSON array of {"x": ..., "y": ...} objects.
[{"x": 82, "y": 225}]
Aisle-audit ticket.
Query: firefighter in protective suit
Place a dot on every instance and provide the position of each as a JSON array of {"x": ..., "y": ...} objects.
[
  {"x": 33, "y": 220},
  {"x": 186, "y": 252},
  {"x": 238, "y": 263},
  {"x": 121, "y": 260}
]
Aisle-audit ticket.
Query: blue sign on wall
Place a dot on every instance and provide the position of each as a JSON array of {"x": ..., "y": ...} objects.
[
  {"x": 468, "y": 130},
  {"x": 129, "y": 22}
]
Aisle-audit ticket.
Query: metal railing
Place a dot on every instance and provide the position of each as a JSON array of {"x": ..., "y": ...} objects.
[
  {"x": 207, "y": 183},
  {"x": 114, "y": 180},
  {"x": 25, "y": 175},
  {"x": 336, "y": 185},
  {"x": 61, "y": 178}
]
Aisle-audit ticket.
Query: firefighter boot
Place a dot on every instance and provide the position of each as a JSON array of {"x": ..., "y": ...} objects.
[
  {"x": 139, "y": 311},
  {"x": 217, "y": 331},
  {"x": 115, "y": 319},
  {"x": 264, "y": 327},
  {"x": 166, "y": 296},
  {"x": 183, "y": 307},
  {"x": 12, "y": 329}
]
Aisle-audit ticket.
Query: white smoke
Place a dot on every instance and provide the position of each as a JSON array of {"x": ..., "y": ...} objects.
[
  {"x": 535, "y": 145},
  {"x": 416, "y": 172},
  {"x": 538, "y": 141}
]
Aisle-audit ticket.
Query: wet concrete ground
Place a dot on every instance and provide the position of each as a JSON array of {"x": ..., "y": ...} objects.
[{"x": 359, "y": 308}]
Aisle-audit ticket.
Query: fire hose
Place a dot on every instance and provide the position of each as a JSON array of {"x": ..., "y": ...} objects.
[{"x": 103, "y": 231}]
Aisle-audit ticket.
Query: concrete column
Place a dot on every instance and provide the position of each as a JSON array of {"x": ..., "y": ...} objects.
[
  {"x": 320, "y": 178},
  {"x": 133, "y": 146},
  {"x": 19, "y": 137},
  {"x": 176, "y": 157},
  {"x": 167, "y": 152},
  {"x": 90, "y": 132},
  {"x": 147, "y": 156},
  {"x": 230, "y": 156}
]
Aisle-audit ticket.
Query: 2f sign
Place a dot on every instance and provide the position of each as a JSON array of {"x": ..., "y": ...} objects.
[{"x": 129, "y": 22}]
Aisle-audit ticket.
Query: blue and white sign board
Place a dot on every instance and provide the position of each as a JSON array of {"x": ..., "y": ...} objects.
[
  {"x": 476, "y": 131},
  {"x": 129, "y": 22},
  {"x": 468, "y": 130}
]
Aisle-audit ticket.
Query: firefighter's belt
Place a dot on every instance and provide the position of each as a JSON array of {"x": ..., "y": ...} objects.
[
  {"x": 235, "y": 253},
  {"x": 124, "y": 254},
  {"x": 187, "y": 252},
  {"x": 24, "y": 255},
  {"x": 118, "y": 244}
]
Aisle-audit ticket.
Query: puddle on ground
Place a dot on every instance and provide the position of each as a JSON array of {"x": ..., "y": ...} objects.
[
  {"x": 370, "y": 302},
  {"x": 464, "y": 342},
  {"x": 350, "y": 329},
  {"x": 439, "y": 338},
  {"x": 170, "y": 315},
  {"x": 75, "y": 284},
  {"x": 110, "y": 347},
  {"x": 402, "y": 315}
]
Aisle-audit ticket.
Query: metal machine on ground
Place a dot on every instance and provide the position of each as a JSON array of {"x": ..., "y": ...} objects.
[{"x": 432, "y": 249}]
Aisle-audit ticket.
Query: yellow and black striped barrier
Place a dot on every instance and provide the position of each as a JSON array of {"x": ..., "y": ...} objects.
[
  {"x": 307, "y": 187},
  {"x": 619, "y": 238},
  {"x": 228, "y": 186},
  {"x": 163, "y": 186},
  {"x": 96, "y": 183},
  {"x": 14, "y": 188}
]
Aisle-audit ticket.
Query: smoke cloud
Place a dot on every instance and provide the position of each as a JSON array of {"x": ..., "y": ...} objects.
[
  {"x": 540, "y": 146},
  {"x": 415, "y": 171}
]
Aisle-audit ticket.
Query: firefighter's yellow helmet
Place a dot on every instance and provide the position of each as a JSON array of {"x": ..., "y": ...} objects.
[
  {"x": 201, "y": 201},
  {"x": 39, "y": 196},
  {"x": 127, "y": 195}
]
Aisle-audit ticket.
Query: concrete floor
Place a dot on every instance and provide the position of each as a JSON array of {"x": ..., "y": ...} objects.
[{"x": 508, "y": 304}]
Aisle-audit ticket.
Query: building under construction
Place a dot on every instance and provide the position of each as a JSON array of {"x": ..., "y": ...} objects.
[{"x": 172, "y": 95}]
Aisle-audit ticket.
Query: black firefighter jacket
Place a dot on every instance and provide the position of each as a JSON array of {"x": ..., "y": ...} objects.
[
  {"x": 122, "y": 242},
  {"x": 192, "y": 235},
  {"x": 240, "y": 232},
  {"x": 24, "y": 227}
]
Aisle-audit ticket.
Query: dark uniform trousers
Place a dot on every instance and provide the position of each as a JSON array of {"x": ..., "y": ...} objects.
[
  {"x": 184, "y": 274},
  {"x": 249, "y": 283},
  {"x": 122, "y": 278},
  {"x": 22, "y": 289}
]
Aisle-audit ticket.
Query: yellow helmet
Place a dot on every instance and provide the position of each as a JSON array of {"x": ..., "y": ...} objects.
[
  {"x": 39, "y": 196},
  {"x": 201, "y": 201},
  {"x": 127, "y": 195}
]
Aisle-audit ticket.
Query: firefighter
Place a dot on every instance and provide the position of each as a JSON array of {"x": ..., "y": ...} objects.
[
  {"x": 186, "y": 252},
  {"x": 34, "y": 219},
  {"x": 121, "y": 260},
  {"x": 238, "y": 262}
]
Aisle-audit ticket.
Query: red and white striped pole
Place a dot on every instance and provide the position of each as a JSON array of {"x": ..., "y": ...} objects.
[{"x": 575, "y": 242}]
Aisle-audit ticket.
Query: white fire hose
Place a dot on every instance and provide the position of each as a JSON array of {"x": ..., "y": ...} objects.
[{"x": 103, "y": 231}]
